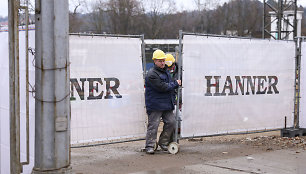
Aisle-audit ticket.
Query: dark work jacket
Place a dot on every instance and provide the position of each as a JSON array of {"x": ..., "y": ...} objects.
[
  {"x": 159, "y": 90},
  {"x": 174, "y": 74}
]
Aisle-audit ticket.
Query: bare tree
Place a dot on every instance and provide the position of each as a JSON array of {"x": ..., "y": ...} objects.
[
  {"x": 247, "y": 17},
  {"x": 122, "y": 13},
  {"x": 160, "y": 19},
  {"x": 204, "y": 8},
  {"x": 98, "y": 16},
  {"x": 240, "y": 17},
  {"x": 77, "y": 4},
  {"x": 206, "y": 4},
  {"x": 75, "y": 21},
  {"x": 157, "y": 10}
]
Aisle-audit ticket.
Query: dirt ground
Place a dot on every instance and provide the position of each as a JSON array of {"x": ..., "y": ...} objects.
[{"x": 128, "y": 158}]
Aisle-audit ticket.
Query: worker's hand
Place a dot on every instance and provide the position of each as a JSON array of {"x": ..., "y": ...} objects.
[{"x": 179, "y": 82}]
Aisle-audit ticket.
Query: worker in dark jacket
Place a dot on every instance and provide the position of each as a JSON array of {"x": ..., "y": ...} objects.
[
  {"x": 172, "y": 66},
  {"x": 173, "y": 70},
  {"x": 159, "y": 102}
]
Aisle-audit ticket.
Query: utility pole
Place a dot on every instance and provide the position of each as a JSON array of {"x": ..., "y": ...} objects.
[{"x": 52, "y": 75}]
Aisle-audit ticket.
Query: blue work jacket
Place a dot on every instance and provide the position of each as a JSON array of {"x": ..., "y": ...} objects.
[{"x": 159, "y": 93}]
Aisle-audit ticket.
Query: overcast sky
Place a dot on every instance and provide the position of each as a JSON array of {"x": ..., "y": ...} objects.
[{"x": 181, "y": 5}]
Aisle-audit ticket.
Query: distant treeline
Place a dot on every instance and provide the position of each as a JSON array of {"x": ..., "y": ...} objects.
[
  {"x": 159, "y": 19},
  {"x": 237, "y": 17}
]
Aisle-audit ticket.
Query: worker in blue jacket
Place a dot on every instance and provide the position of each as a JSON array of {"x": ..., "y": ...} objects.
[{"x": 159, "y": 102}]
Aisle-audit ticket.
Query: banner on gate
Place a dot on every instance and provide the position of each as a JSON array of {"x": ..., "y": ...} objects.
[
  {"x": 234, "y": 85},
  {"x": 107, "y": 88}
]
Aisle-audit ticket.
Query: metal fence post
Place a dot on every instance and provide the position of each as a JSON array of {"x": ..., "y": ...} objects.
[
  {"x": 26, "y": 9},
  {"x": 298, "y": 44},
  {"x": 15, "y": 166},
  {"x": 180, "y": 88},
  {"x": 143, "y": 49},
  {"x": 263, "y": 19}
]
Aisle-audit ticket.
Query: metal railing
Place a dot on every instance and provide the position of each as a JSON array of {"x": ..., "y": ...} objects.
[{"x": 16, "y": 165}]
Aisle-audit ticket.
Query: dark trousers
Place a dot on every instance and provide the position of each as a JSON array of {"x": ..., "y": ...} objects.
[{"x": 153, "y": 123}]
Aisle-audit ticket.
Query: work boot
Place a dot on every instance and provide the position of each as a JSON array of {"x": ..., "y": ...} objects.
[
  {"x": 163, "y": 147},
  {"x": 150, "y": 151}
]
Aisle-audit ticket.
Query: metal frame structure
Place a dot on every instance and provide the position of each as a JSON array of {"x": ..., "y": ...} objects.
[
  {"x": 26, "y": 8},
  {"x": 180, "y": 69},
  {"x": 179, "y": 63},
  {"x": 296, "y": 95},
  {"x": 176, "y": 137},
  {"x": 14, "y": 6},
  {"x": 141, "y": 37},
  {"x": 282, "y": 6}
]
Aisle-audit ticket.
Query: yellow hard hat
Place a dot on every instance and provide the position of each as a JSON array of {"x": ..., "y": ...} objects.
[
  {"x": 158, "y": 54},
  {"x": 169, "y": 59}
]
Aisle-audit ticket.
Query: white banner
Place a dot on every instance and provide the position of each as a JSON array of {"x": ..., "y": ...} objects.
[
  {"x": 303, "y": 87},
  {"x": 107, "y": 88},
  {"x": 233, "y": 85},
  {"x": 4, "y": 103}
]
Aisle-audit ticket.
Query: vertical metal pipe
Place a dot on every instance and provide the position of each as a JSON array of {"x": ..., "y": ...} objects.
[
  {"x": 17, "y": 88},
  {"x": 27, "y": 81},
  {"x": 180, "y": 88},
  {"x": 295, "y": 83},
  {"x": 263, "y": 19},
  {"x": 299, "y": 55},
  {"x": 143, "y": 51},
  {"x": 15, "y": 167},
  {"x": 52, "y": 103},
  {"x": 17, "y": 85},
  {"x": 279, "y": 20},
  {"x": 27, "y": 84}
]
